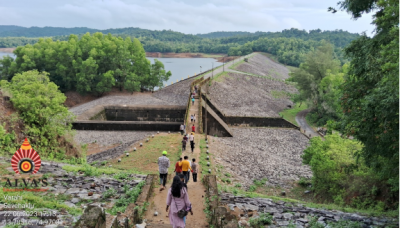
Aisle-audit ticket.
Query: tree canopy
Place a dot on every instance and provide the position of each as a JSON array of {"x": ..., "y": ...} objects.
[
  {"x": 40, "y": 105},
  {"x": 370, "y": 98},
  {"x": 92, "y": 64}
]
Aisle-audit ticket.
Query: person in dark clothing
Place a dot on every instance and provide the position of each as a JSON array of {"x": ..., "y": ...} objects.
[
  {"x": 184, "y": 145},
  {"x": 192, "y": 145},
  {"x": 183, "y": 180},
  {"x": 194, "y": 169}
]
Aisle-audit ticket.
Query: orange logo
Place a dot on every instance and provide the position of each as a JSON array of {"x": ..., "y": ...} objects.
[{"x": 26, "y": 159}]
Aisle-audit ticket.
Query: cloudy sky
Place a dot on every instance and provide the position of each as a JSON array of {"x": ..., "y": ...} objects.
[{"x": 187, "y": 16}]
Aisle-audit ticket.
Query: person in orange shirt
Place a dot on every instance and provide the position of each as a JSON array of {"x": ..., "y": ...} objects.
[{"x": 185, "y": 164}]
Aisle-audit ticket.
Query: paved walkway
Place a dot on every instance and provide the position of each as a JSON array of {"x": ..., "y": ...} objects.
[
  {"x": 301, "y": 120},
  {"x": 196, "y": 190}
]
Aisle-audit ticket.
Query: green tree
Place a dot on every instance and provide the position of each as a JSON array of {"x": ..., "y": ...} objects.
[
  {"x": 312, "y": 83},
  {"x": 132, "y": 83},
  {"x": 331, "y": 161},
  {"x": 40, "y": 105},
  {"x": 92, "y": 64},
  {"x": 158, "y": 75},
  {"x": 370, "y": 98}
]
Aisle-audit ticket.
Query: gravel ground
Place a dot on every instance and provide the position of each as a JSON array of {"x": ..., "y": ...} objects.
[
  {"x": 176, "y": 93},
  {"x": 256, "y": 153},
  {"x": 243, "y": 95},
  {"x": 259, "y": 64},
  {"x": 106, "y": 138}
]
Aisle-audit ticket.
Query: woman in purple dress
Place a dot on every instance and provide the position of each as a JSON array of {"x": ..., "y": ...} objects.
[{"x": 178, "y": 199}]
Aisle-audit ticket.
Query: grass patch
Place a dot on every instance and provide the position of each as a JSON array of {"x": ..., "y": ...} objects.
[
  {"x": 203, "y": 157},
  {"x": 219, "y": 77},
  {"x": 277, "y": 94},
  {"x": 145, "y": 158},
  {"x": 233, "y": 66},
  {"x": 130, "y": 196},
  {"x": 89, "y": 170},
  {"x": 290, "y": 114},
  {"x": 4, "y": 171}
]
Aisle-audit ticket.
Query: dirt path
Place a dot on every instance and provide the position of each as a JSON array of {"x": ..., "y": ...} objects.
[
  {"x": 301, "y": 120},
  {"x": 196, "y": 190}
]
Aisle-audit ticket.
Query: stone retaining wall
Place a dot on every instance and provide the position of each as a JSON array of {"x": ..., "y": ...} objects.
[
  {"x": 126, "y": 125},
  {"x": 285, "y": 213},
  {"x": 215, "y": 126},
  {"x": 218, "y": 216},
  {"x": 145, "y": 113},
  {"x": 250, "y": 121}
]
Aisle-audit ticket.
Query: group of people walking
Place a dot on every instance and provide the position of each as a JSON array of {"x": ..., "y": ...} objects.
[
  {"x": 178, "y": 203},
  {"x": 186, "y": 139}
]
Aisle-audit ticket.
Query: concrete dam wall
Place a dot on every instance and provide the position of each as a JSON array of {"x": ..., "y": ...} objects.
[
  {"x": 133, "y": 118},
  {"x": 145, "y": 113}
]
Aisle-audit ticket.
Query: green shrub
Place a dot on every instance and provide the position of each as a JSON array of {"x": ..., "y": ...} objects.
[
  {"x": 252, "y": 188},
  {"x": 130, "y": 197},
  {"x": 121, "y": 176},
  {"x": 238, "y": 185},
  {"x": 330, "y": 161},
  {"x": 259, "y": 222},
  {"x": 260, "y": 183},
  {"x": 109, "y": 193},
  {"x": 305, "y": 182},
  {"x": 41, "y": 106}
]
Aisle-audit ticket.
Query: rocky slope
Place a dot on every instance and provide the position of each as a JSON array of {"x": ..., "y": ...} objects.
[
  {"x": 259, "y": 64},
  {"x": 256, "y": 153},
  {"x": 176, "y": 93},
  {"x": 244, "y": 95}
]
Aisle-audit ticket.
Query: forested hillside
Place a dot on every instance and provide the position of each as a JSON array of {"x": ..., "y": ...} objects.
[
  {"x": 289, "y": 45},
  {"x": 360, "y": 100}
]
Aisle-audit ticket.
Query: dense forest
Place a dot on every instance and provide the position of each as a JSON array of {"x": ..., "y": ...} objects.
[
  {"x": 92, "y": 64},
  {"x": 358, "y": 162},
  {"x": 290, "y": 45}
]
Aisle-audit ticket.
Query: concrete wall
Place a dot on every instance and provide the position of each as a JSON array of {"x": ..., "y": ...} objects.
[
  {"x": 251, "y": 121},
  {"x": 215, "y": 126},
  {"x": 258, "y": 122},
  {"x": 126, "y": 126},
  {"x": 145, "y": 113}
]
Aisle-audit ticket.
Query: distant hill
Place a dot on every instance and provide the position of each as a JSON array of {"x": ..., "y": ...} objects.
[
  {"x": 18, "y": 31},
  {"x": 289, "y": 45},
  {"x": 223, "y": 34},
  {"x": 4, "y": 28}
]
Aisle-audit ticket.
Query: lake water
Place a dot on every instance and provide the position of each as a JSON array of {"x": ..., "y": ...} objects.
[{"x": 180, "y": 68}]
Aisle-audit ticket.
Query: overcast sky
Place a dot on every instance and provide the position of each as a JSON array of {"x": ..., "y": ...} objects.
[{"x": 187, "y": 16}]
